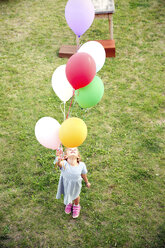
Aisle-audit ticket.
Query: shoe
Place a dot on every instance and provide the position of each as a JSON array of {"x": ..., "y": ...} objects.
[
  {"x": 68, "y": 208},
  {"x": 76, "y": 211}
]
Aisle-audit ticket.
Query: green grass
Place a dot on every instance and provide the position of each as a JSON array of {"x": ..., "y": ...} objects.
[{"x": 124, "y": 150}]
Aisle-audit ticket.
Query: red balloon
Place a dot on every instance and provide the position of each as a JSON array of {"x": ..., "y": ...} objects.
[{"x": 80, "y": 70}]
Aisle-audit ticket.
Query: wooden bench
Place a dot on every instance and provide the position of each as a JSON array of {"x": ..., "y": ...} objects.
[{"x": 103, "y": 9}]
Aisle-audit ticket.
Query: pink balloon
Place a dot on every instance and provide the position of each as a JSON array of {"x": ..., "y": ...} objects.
[
  {"x": 47, "y": 132},
  {"x": 80, "y": 70}
]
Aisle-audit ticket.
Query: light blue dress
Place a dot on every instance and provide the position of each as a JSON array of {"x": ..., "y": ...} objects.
[{"x": 70, "y": 181}]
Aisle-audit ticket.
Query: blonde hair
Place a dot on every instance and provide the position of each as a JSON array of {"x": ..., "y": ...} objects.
[{"x": 79, "y": 156}]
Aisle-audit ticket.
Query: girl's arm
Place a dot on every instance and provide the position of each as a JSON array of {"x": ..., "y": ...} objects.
[
  {"x": 59, "y": 158},
  {"x": 84, "y": 176},
  {"x": 60, "y": 162}
]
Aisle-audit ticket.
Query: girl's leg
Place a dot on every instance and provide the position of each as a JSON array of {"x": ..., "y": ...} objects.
[
  {"x": 76, "y": 207},
  {"x": 77, "y": 200},
  {"x": 68, "y": 208}
]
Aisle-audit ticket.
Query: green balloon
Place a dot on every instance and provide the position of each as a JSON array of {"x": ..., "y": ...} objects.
[{"x": 91, "y": 94}]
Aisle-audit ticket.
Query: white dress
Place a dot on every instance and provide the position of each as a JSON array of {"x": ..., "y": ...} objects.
[{"x": 70, "y": 181}]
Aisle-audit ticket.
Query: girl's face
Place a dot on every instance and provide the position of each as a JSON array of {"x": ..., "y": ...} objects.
[{"x": 72, "y": 152}]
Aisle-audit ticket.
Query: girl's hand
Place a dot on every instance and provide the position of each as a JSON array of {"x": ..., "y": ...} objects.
[
  {"x": 65, "y": 157},
  {"x": 88, "y": 185}
]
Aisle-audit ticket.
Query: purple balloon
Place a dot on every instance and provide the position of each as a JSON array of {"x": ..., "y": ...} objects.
[{"x": 79, "y": 15}]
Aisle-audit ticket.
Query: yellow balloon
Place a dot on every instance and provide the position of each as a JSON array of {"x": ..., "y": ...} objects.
[{"x": 73, "y": 132}]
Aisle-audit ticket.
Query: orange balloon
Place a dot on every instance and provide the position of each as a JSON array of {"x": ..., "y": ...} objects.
[{"x": 73, "y": 132}]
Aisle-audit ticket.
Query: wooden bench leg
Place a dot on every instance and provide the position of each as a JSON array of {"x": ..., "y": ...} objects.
[{"x": 110, "y": 18}]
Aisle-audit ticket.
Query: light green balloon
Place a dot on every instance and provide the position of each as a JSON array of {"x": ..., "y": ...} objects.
[{"x": 91, "y": 94}]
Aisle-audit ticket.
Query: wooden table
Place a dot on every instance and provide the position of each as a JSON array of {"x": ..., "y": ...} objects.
[{"x": 103, "y": 9}]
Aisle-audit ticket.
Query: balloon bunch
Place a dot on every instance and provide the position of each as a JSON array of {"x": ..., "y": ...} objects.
[{"x": 77, "y": 78}]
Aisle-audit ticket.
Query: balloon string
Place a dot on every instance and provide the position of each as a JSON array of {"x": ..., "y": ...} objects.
[
  {"x": 63, "y": 111},
  {"x": 78, "y": 42},
  {"x": 70, "y": 105}
]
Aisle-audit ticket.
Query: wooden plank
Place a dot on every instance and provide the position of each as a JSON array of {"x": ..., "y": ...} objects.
[
  {"x": 109, "y": 46},
  {"x": 66, "y": 51}
]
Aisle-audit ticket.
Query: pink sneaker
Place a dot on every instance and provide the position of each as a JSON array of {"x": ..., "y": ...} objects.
[
  {"x": 68, "y": 208},
  {"x": 76, "y": 211}
]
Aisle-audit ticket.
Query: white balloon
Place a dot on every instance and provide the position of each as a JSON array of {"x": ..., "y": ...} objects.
[
  {"x": 96, "y": 50},
  {"x": 61, "y": 85},
  {"x": 47, "y": 132}
]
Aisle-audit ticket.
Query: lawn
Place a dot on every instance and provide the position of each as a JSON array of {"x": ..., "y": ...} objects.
[{"x": 124, "y": 149}]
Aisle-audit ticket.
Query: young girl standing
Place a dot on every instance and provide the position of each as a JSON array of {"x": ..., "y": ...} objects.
[{"x": 70, "y": 183}]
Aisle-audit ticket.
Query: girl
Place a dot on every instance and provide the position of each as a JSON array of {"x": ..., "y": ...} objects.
[{"x": 70, "y": 183}]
